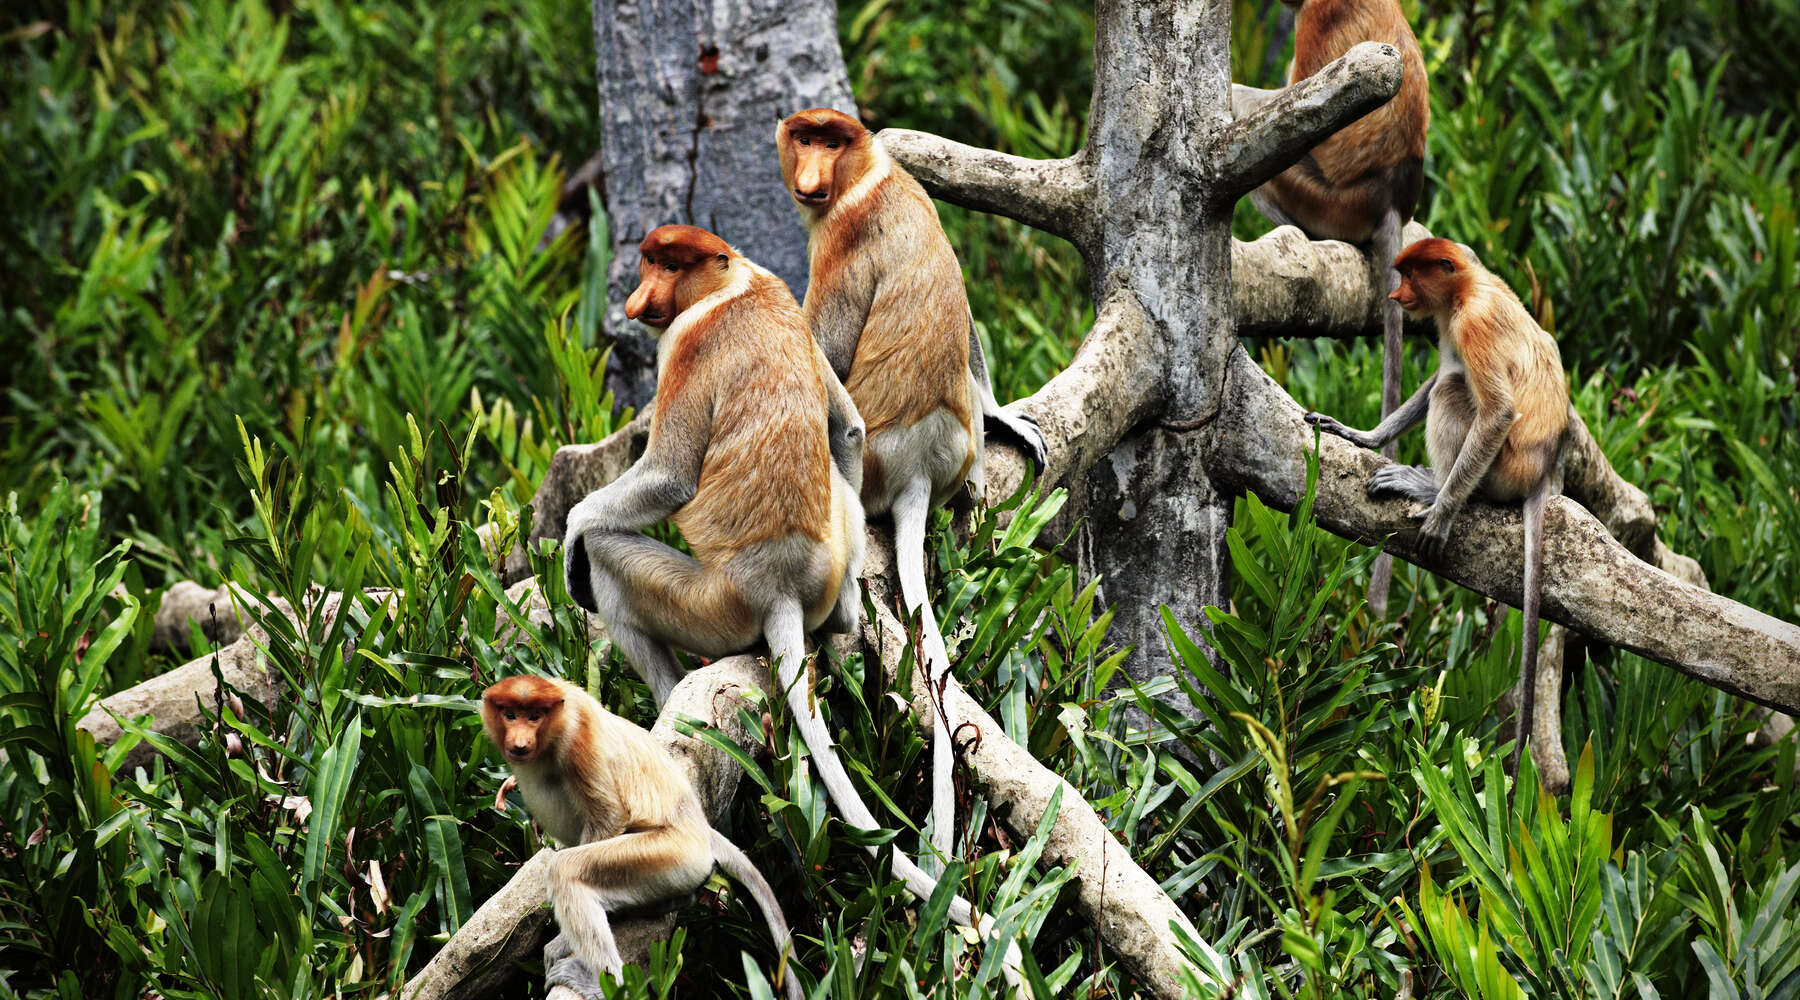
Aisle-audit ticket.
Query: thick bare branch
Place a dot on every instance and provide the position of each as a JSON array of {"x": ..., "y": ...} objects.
[
  {"x": 1126, "y": 905},
  {"x": 1270, "y": 139},
  {"x": 1055, "y": 196},
  {"x": 1112, "y": 385},
  {"x": 514, "y": 923},
  {"x": 1591, "y": 582},
  {"x": 1286, "y": 285}
]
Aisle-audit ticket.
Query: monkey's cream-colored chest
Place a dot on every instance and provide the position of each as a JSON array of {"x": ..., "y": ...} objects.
[{"x": 552, "y": 806}]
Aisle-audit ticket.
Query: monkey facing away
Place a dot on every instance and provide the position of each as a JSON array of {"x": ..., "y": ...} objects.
[
  {"x": 630, "y": 826},
  {"x": 886, "y": 302},
  {"x": 1362, "y": 184},
  {"x": 755, "y": 452},
  {"x": 1496, "y": 417}
]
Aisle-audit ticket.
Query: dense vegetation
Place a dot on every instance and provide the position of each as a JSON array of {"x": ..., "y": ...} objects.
[{"x": 279, "y": 314}]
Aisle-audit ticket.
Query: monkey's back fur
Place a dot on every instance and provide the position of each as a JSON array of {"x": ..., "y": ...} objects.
[{"x": 885, "y": 278}]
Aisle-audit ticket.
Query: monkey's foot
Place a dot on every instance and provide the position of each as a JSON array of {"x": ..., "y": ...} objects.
[
  {"x": 1414, "y": 482},
  {"x": 569, "y": 971},
  {"x": 1333, "y": 426},
  {"x": 1022, "y": 430},
  {"x": 1435, "y": 532}
]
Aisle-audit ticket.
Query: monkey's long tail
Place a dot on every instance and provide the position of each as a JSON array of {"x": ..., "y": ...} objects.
[
  {"x": 1382, "y": 251},
  {"x": 785, "y": 631},
  {"x": 912, "y": 510},
  {"x": 1534, "y": 571},
  {"x": 739, "y": 866}
]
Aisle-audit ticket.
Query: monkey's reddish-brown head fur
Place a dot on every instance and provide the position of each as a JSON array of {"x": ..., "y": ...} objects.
[
  {"x": 677, "y": 267},
  {"x": 823, "y": 152},
  {"x": 1433, "y": 273},
  {"x": 522, "y": 715}
]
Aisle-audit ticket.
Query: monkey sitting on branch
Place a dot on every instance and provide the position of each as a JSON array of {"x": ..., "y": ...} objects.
[
  {"x": 1496, "y": 418},
  {"x": 886, "y": 302},
  {"x": 755, "y": 452},
  {"x": 630, "y": 826},
  {"x": 1362, "y": 184}
]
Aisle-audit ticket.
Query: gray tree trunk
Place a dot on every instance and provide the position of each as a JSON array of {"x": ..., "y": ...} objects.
[
  {"x": 1155, "y": 525},
  {"x": 690, "y": 91}
]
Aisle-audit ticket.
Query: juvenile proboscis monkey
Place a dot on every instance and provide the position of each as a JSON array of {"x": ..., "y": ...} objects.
[
  {"x": 631, "y": 829},
  {"x": 1496, "y": 417},
  {"x": 1362, "y": 184},
  {"x": 755, "y": 452},
  {"x": 887, "y": 304}
]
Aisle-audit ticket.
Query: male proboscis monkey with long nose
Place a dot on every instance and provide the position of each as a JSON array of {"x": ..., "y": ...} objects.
[
  {"x": 754, "y": 452},
  {"x": 886, "y": 301}
]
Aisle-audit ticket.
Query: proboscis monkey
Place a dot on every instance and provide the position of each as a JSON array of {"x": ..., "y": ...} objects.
[
  {"x": 755, "y": 451},
  {"x": 887, "y": 304},
  {"x": 631, "y": 829},
  {"x": 1496, "y": 417},
  {"x": 1362, "y": 184}
]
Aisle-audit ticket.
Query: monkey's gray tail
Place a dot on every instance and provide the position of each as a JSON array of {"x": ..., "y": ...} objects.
[
  {"x": 1534, "y": 571},
  {"x": 739, "y": 866},
  {"x": 785, "y": 631},
  {"x": 912, "y": 509}
]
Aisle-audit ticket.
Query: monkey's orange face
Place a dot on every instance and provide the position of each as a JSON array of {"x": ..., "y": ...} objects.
[
  {"x": 813, "y": 145},
  {"x": 520, "y": 727},
  {"x": 678, "y": 266},
  {"x": 1430, "y": 272},
  {"x": 1425, "y": 288}
]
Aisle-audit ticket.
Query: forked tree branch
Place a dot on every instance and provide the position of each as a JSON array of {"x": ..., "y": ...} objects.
[
  {"x": 1055, "y": 196},
  {"x": 1272, "y": 138},
  {"x": 1113, "y": 384}
]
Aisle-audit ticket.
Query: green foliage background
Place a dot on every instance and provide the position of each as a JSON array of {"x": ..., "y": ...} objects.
[{"x": 278, "y": 313}]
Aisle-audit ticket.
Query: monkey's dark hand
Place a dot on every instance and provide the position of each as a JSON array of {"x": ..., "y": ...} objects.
[
  {"x": 1331, "y": 425},
  {"x": 562, "y": 968},
  {"x": 1022, "y": 430},
  {"x": 1435, "y": 532}
]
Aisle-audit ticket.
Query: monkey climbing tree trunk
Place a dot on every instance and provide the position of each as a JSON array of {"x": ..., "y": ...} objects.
[
  {"x": 690, "y": 91},
  {"x": 1148, "y": 202}
]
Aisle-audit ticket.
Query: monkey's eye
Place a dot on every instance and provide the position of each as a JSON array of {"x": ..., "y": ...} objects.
[
  {"x": 672, "y": 268},
  {"x": 511, "y": 715},
  {"x": 804, "y": 141},
  {"x": 1448, "y": 267},
  {"x": 833, "y": 144},
  {"x": 531, "y": 716}
]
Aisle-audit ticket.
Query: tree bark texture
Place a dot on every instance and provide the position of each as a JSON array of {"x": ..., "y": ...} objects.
[{"x": 690, "y": 91}]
